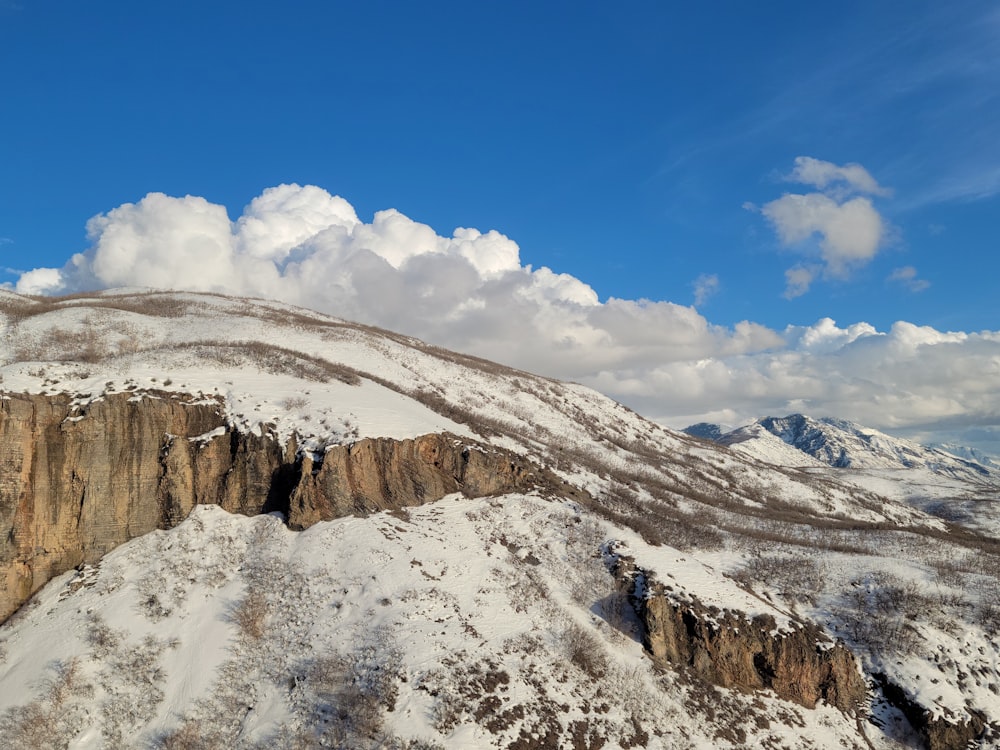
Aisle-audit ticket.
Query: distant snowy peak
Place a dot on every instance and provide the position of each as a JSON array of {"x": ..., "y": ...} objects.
[
  {"x": 843, "y": 444},
  {"x": 969, "y": 454}
]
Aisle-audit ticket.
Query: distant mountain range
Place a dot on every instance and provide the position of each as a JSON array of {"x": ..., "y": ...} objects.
[{"x": 843, "y": 444}]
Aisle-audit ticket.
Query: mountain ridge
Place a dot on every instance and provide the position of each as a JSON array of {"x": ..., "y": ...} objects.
[
  {"x": 844, "y": 444},
  {"x": 454, "y": 623}
]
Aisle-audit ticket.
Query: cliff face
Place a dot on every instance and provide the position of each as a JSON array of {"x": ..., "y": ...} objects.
[
  {"x": 379, "y": 474},
  {"x": 77, "y": 482},
  {"x": 939, "y": 732},
  {"x": 74, "y": 484},
  {"x": 732, "y": 650}
]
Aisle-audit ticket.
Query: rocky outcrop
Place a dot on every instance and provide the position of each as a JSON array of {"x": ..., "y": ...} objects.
[
  {"x": 378, "y": 474},
  {"x": 940, "y": 732},
  {"x": 731, "y": 650},
  {"x": 77, "y": 481}
]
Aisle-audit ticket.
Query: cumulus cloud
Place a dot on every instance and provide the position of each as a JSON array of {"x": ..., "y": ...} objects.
[
  {"x": 908, "y": 379},
  {"x": 849, "y": 230},
  {"x": 471, "y": 292},
  {"x": 705, "y": 286},
  {"x": 907, "y": 276}
]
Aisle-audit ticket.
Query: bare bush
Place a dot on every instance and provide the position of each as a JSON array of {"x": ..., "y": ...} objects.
[
  {"x": 250, "y": 614},
  {"x": 188, "y": 736},
  {"x": 273, "y": 359},
  {"x": 51, "y": 721},
  {"x": 585, "y": 651},
  {"x": 878, "y": 611},
  {"x": 796, "y": 578},
  {"x": 101, "y": 637}
]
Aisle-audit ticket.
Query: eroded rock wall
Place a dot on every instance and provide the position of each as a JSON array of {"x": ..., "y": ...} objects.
[
  {"x": 732, "y": 650},
  {"x": 76, "y": 482},
  {"x": 378, "y": 474}
]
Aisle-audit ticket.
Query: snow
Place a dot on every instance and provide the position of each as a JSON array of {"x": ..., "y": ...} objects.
[
  {"x": 498, "y": 585},
  {"x": 415, "y": 588}
]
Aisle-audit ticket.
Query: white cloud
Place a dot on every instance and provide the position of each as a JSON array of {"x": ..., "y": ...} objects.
[
  {"x": 907, "y": 378},
  {"x": 827, "y": 176},
  {"x": 40, "y": 281},
  {"x": 470, "y": 292},
  {"x": 849, "y": 230},
  {"x": 907, "y": 276},
  {"x": 705, "y": 286},
  {"x": 850, "y": 233}
]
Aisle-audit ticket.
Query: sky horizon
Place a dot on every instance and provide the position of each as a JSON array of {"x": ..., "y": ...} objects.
[{"x": 715, "y": 212}]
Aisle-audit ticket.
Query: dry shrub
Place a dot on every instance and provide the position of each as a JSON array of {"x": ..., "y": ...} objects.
[
  {"x": 273, "y": 359},
  {"x": 52, "y": 720},
  {"x": 585, "y": 651},
  {"x": 250, "y": 614},
  {"x": 188, "y": 736},
  {"x": 796, "y": 578}
]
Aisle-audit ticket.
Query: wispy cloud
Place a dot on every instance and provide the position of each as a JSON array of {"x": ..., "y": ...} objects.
[
  {"x": 907, "y": 277},
  {"x": 705, "y": 286},
  {"x": 833, "y": 179},
  {"x": 798, "y": 280}
]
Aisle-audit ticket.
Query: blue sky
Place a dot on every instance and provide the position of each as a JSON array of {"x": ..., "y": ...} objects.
[{"x": 636, "y": 147}]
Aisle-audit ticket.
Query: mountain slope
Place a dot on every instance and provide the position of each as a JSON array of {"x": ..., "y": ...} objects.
[{"x": 470, "y": 622}]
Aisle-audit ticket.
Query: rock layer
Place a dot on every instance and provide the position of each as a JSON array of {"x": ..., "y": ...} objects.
[
  {"x": 378, "y": 474},
  {"x": 76, "y": 482},
  {"x": 732, "y": 650},
  {"x": 939, "y": 732}
]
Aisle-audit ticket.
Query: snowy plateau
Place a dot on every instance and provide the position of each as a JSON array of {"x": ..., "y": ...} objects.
[{"x": 305, "y": 532}]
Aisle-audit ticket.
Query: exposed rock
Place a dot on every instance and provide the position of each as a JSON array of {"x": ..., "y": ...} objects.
[
  {"x": 939, "y": 732},
  {"x": 732, "y": 650},
  {"x": 77, "y": 482},
  {"x": 378, "y": 473}
]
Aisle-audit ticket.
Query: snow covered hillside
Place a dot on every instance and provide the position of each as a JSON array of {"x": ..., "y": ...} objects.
[{"x": 589, "y": 611}]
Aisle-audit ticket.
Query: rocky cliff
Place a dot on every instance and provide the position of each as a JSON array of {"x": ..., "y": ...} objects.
[
  {"x": 77, "y": 481},
  {"x": 732, "y": 650},
  {"x": 801, "y": 664},
  {"x": 940, "y": 732}
]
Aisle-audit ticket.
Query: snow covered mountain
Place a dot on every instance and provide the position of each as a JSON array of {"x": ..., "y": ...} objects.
[
  {"x": 430, "y": 550},
  {"x": 940, "y": 482},
  {"x": 844, "y": 444},
  {"x": 970, "y": 454}
]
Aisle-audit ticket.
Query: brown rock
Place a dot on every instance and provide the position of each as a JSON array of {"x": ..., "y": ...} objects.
[
  {"x": 380, "y": 473},
  {"x": 76, "y": 483},
  {"x": 731, "y": 650}
]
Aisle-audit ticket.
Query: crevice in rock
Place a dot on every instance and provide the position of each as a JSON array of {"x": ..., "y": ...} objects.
[
  {"x": 75, "y": 490},
  {"x": 284, "y": 480}
]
